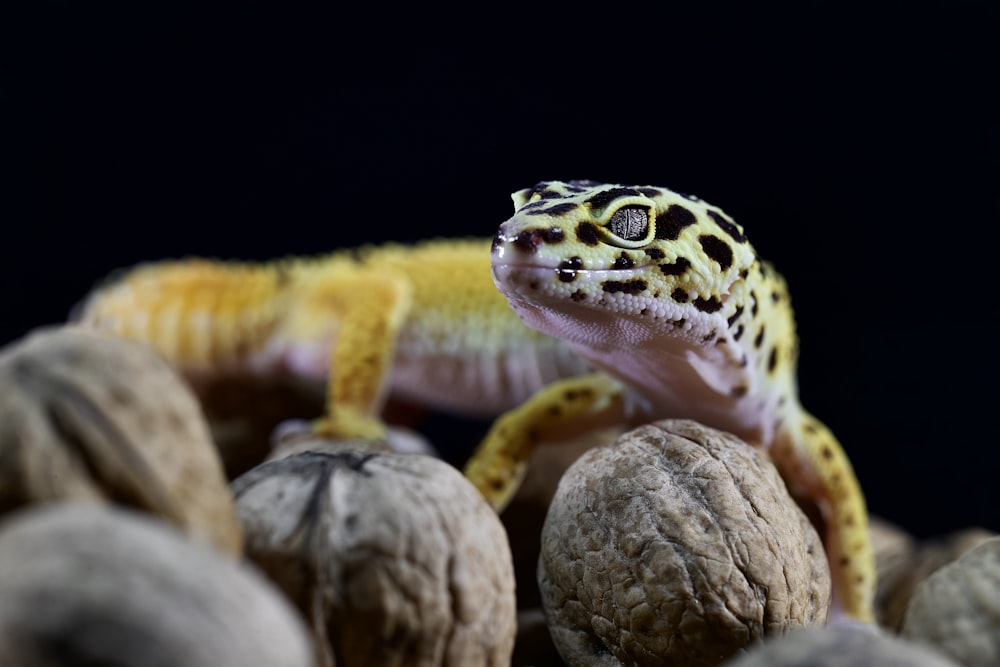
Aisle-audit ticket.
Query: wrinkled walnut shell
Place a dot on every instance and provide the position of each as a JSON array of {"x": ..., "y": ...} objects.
[
  {"x": 678, "y": 544},
  {"x": 88, "y": 416},
  {"x": 395, "y": 559},
  {"x": 89, "y": 584},
  {"x": 957, "y": 608}
]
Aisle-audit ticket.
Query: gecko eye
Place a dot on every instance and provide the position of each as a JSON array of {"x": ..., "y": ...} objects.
[{"x": 630, "y": 223}]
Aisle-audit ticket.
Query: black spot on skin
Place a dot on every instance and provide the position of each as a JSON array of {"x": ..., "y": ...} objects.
[
  {"x": 654, "y": 253},
  {"x": 625, "y": 287},
  {"x": 542, "y": 190},
  {"x": 717, "y": 249},
  {"x": 573, "y": 394},
  {"x": 673, "y": 221},
  {"x": 578, "y": 296},
  {"x": 759, "y": 338},
  {"x": 826, "y": 452},
  {"x": 772, "y": 360},
  {"x": 552, "y": 235},
  {"x": 643, "y": 311},
  {"x": 533, "y": 284},
  {"x": 727, "y": 226},
  {"x": 282, "y": 274},
  {"x": 602, "y": 199},
  {"x": 738, "y": 392},
  {"x": 681, "y": 322},
  {"x": 623, "y": 262},
  {"x": 744, "y": 272},
  {"x": 573, "y": 263},
  {"x": 709, "y": 305},
  {"x": 739, "y": 333},
  {"x": 679, "y": 295},
  {"x": 568, "y": 268},
  {"x": 809, "y": 427},
  {"x": 587, "y": 233},
  {"x": 558, "y": 209},
  {"x": 735, "y": 316},
  {"x": 680, "y": 265},
  {"x": 650, "y": 192},
  {"x": 710, "y": 336},
  {"x": 753, "y": 308},
  {"x": 775, "y": 297}
]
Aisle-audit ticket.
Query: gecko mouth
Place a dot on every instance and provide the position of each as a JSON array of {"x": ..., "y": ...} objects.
[{"x": 527, "y": 278}]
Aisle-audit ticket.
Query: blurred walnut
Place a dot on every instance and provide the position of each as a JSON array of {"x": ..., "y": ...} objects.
[
  {"x": 395, "y": 559},
  {"x": 842, "y": 645},
  {"x": 85, "y": 584},
  {"x": 900, "y": 575},
  {"x": 678, "y": 544},
  {"x": 88, "y": 416},
  {"x": 957, "y": 608}
]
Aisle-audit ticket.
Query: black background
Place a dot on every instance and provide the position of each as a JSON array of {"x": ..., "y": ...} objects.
[{"x": 858, "y": 149}]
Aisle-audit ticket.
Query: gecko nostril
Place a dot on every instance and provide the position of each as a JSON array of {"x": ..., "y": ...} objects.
[
  {"x": 527, "y": 241},
  {"x": 530, "y": 239}
]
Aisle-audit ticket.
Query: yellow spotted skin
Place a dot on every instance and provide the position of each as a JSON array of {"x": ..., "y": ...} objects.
[
  {"x": 664, "y": 294},
  {"x": 423, "y": 321}
]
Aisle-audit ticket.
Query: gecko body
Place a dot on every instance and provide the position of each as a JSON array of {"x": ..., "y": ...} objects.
[{"x": 420, "y": 322}]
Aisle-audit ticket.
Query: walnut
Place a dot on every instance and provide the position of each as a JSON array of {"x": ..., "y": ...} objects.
[
  {"x": 957, "y": 608},
  {"x": 678, "y": 544},
  {"x": 395, "y": 559},
  {"x": 89, "y": 584},
  {"x": 900, "y": 576},
  {"x": 88, "y": 416},
  {"x": 845, "y": 645}
]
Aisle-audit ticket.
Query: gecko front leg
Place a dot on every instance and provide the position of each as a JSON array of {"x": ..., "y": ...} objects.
[
  {"x": 815, "y": 466},
  {"x": 366, "y": 308},
  {"x": 562, "y": 410}
]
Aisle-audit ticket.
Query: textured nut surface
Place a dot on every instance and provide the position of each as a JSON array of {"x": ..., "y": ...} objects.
[
  {"x": 678, "y": 544},
  {"x": 957, "y": 608},
  {"x": 88, "y": 416},
  {"x": 89, "y": 584},
  {"x": 838, "y": 646},
  {"x": 396, "y": 559},
  {"x": 900, "y": 576}
]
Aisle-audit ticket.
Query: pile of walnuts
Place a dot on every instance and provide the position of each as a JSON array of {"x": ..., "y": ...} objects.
[{"x": 123, "y": 542}]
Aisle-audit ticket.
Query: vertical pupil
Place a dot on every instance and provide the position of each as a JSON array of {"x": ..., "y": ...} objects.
[{"x": 630, "y": 223}]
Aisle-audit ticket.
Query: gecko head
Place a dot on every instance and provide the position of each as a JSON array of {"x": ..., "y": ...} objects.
[{"x": 591, "y": 251}]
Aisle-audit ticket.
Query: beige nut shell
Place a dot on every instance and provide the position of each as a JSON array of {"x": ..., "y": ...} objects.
[
  {"x": 84, "y": 583},
  {"x": 956, "y": 609},
  {"x": 678, "y": 544},
  {"x": 88, "y": 416},
  {"x": 395, "y": 559}
]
